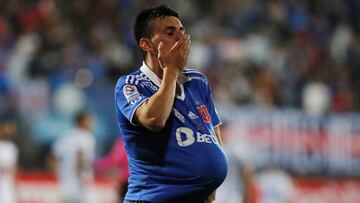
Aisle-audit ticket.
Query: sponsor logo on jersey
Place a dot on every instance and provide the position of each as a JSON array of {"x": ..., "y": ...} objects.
[
  {"x": 149, "y": 84},
  {"x": 179, "y": 115},
  {"x": 196, "y": 78},
  {"x": 202, "y": 110},
  {"x": 129, "y": 89},
  {"x": 141, "y": 80},
  {"x": 134, "y": 100},
  {"x": 131, "y": 94},
  {"x": 193, "y": 116},
  {"x": 186, "y": 137}
]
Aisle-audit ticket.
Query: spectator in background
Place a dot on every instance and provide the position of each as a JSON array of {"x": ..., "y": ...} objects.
[
  {"x": 274, "y": 186},
  {"x": 116, "y": 164},
  {"x": 74, "y": 153},
  {"x": 8, "y": 161}
]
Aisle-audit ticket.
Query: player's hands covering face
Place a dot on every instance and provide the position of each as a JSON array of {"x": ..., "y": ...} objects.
[{"x": 176, "y": 57}]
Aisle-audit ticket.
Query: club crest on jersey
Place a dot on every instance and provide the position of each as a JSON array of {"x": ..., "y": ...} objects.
[
  {"x": 131, "y": 94},
  {"x": 202, "y": 110}
]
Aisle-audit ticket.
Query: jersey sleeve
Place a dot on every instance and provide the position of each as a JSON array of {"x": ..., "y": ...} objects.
[
  {"x": 215, "y": 119},
  {"x": 129, "y": 95}
]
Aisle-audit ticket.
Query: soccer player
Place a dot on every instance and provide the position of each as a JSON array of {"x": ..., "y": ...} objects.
[
  {"x": 74, "y": 153},
  {"x": 167, "y": 118},
  {"x": 8, "y": 160}
]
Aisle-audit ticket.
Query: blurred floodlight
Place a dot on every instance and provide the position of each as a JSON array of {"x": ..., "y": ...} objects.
[{"x": 83, "y": 78}]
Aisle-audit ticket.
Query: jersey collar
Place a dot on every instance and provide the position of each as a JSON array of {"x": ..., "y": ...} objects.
[{"x": 156, "y": 80}]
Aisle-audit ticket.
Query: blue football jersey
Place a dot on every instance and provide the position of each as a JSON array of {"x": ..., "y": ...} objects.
[{"x": 184, "y": 161}]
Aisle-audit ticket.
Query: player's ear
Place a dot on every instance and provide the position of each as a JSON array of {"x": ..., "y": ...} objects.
[{"x": 146, "y": 45}]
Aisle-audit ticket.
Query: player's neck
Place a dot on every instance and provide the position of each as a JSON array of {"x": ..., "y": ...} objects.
[{"x": 154, "y": 65}]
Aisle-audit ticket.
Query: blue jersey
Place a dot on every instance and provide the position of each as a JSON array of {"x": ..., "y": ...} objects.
[{"x": 181, "y": 163}]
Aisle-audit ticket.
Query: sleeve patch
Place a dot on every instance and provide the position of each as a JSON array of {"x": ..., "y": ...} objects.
[{"x": 131, "y": 94}]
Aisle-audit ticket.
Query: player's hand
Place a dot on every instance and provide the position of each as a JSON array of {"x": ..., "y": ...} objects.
[
  {"x": 211, "y": 197},
  {"x": 176, "y": 57}
]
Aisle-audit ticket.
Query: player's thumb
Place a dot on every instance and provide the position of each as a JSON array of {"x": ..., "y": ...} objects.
[{"x": 160, "y": 48}]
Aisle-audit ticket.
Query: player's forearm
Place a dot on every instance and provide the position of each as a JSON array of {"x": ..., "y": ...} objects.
[{"x": 154, "y": 113}]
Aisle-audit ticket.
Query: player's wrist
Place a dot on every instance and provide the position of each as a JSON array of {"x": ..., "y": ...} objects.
[{"x": 171, "y": 72}]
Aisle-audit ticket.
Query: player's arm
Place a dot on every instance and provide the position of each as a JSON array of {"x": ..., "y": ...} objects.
[{"x": 155, "y": 111}]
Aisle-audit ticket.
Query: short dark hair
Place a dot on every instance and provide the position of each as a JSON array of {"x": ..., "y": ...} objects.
[{"x": 143, "y": 23}]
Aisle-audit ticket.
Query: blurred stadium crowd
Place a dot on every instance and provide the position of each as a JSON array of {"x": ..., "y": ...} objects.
[{"x": 58, "y": 57}]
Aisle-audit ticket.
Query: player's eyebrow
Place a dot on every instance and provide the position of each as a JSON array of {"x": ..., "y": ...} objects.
[{"x": 172, "y": 28}]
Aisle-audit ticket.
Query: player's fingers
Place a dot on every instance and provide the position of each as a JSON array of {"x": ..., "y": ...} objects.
[
  {"x": 174, "y": 47},
  {"x": 178, "y": 44},
  {"x": 187, "y": 49},
  {"x": 183, "y": 48},
  {"x": 187, "y": 42}
]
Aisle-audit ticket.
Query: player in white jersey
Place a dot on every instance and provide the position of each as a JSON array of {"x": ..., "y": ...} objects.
[
  {"x": 74, "y": 153},
  {"x": 275, "y": 186},
  {"x": 8, "y": 160}
]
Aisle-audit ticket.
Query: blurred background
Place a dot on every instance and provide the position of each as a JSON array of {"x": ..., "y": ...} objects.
[{"x": 285, "y": 76}]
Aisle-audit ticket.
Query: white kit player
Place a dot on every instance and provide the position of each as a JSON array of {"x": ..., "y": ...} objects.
[
  {"x": 75, "y": 153},
  {"x": 8, "y": 160}
]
